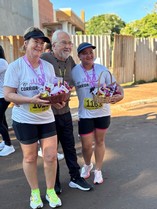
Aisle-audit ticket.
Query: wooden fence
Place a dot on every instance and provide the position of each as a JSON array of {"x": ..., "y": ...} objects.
[
  {"x": 12, "y": 46},
  {"x": 130, "y": 59},
  {"x": 102, "y": 43},
  {"x": 146, "y": 59},
  {"x": 123, "y": 58},
  {"x": 134, "y": 59}
]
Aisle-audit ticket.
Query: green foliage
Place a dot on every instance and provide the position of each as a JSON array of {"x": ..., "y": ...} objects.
[
  {"x": 146, "y": 27},
  {"x": 112, "y": 24},
  {"x": 78, "y": 32},
  {"x": 104, "y": 24}
]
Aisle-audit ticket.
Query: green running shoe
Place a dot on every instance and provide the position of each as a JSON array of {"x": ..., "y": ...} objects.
[{"x": 53, "y": 199}]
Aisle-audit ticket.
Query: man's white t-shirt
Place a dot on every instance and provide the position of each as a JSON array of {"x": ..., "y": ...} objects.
[
  {"x": 20, "y": 76},
  {"x": 82, "y": 83}
]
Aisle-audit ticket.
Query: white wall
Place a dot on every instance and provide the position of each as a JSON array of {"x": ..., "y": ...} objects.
[
  {"x": 35, "y": 4},
  {"x": 15, "y": 16}
]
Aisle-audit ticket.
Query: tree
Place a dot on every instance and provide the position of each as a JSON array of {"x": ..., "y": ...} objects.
[
  {"x": 104, "y": 24},
  {"x": 146, "y": 27}
]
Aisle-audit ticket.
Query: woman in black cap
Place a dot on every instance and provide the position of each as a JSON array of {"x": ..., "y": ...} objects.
[
  {"x": 33, "y": 118},
  {"x": 94, "y": 117}
]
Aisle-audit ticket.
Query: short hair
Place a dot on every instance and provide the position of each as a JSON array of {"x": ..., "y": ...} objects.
[{"x": 55, "y": 35}]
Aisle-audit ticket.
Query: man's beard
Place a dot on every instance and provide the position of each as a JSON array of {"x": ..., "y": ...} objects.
[{"x": 64, "y": 55}]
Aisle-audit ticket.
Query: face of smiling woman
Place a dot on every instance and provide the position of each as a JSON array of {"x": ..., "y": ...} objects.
[
  {"x": 87, "y": 57},
  {"x": 34, "y": 47}
]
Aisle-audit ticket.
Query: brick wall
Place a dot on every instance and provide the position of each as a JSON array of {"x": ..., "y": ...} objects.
[{"x": 46, "y": 12}]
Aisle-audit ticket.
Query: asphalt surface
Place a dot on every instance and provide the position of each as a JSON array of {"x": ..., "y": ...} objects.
[{"x": 129, "y": 169}]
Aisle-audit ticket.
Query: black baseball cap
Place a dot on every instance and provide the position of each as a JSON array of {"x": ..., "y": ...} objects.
[
  {"x": 83, "y": 46},
  {"x": 36, "y": 34}
]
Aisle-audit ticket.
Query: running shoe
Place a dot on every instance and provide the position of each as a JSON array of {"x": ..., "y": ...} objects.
[
  {"x": 53, "y": 199},
  {"x": 40, "y": 154},
  {"x": 58, "y": 188},
  {"x": 80, "y": 183},
  {"x": 60, "y": 156},
  {"x": 2, "y": 144},
  {"x": 7, "y": 150},
  {"x": 98, "y": 179},
  {"x": 85, "y": 171},
  {"x": 35, "y": 200}
]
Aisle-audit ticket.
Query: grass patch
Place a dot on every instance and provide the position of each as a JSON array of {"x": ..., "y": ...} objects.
[
  {"x": 131, "y": 84},
  {"x": 142, "y": 81}
]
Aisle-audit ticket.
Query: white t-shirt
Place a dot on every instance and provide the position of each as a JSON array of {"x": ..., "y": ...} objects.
[
  {"x": 83, "y": 82},
  {"x": 3, "y": 68},
  {"x": 20, "y": 76}
]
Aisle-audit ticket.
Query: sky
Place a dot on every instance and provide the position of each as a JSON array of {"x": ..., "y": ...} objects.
[{"x": 127, "y": 10}]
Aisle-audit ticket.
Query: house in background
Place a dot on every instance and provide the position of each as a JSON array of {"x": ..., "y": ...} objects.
[
  {"x": 18, "y": 15},
  {"x": 67, "y": 20}
]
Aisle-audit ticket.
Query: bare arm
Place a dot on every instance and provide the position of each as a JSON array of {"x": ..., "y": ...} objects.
[
  {"x": 120, "y": 89},
  {"x": 11, "y": 96}
]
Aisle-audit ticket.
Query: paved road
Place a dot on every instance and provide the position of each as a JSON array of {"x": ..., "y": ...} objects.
[{"x": 130, "y": 167}]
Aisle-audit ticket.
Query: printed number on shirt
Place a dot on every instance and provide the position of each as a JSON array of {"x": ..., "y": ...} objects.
[
  {"x": 36, "y": 108},
  {"x": 91, "y": 105}
]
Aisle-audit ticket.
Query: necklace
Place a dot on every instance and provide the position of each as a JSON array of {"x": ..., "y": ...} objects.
[
  {"x": 41, "y": 79},
  {"x": 90, "y": 79}
]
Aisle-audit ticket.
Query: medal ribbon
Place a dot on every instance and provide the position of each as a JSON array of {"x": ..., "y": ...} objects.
[
  {"x": 40, "y": 79},
  {"x": 89, "y": 79}
]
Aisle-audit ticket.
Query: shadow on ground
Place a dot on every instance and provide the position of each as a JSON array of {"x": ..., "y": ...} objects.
[{"x": 129, "y": 170}]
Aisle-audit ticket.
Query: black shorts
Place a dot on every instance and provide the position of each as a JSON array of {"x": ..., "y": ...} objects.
[
  {"x": 88, "y": 125},
  {"x": 31, "y": 133}
]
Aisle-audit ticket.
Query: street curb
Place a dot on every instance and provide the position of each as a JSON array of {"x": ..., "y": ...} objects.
[
  {"x": 134, "y": 103},
  {"x": 123, "y": 106},
  {"x": 118, "y": 106}
]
